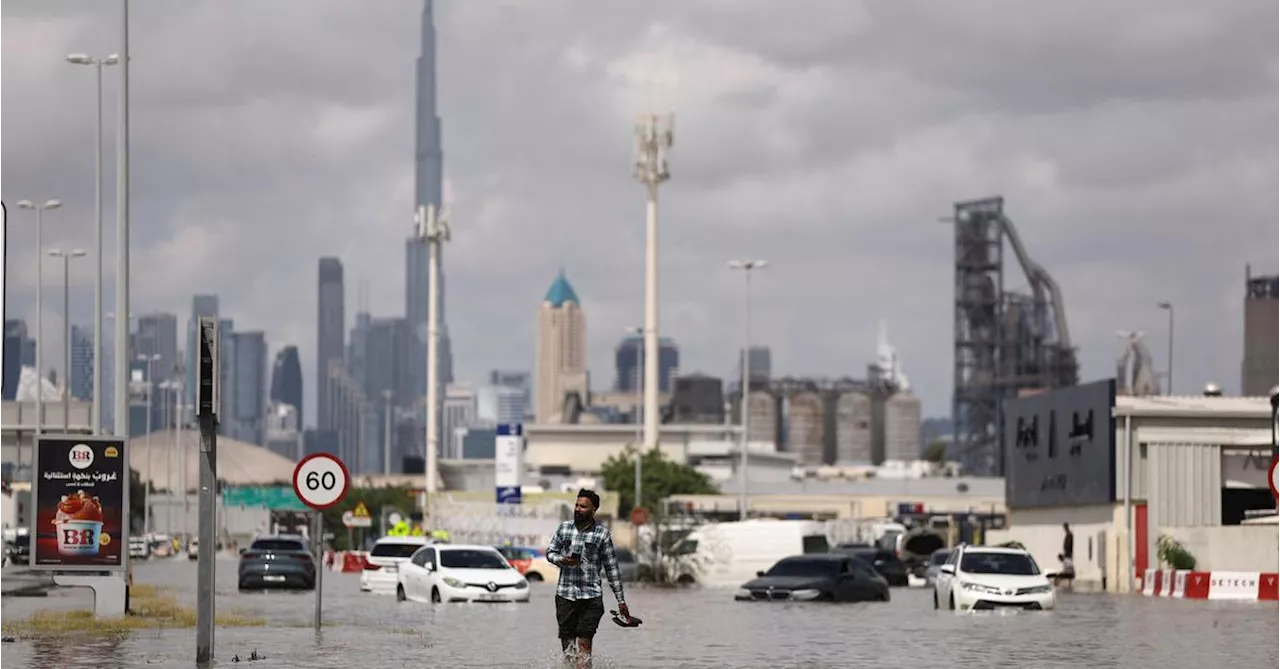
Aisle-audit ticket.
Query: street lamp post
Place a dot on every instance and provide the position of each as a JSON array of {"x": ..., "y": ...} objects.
[
  {"x": 146, "y": 489},
  {"x": 386, "y": 432},
  {"x": 1168, "y": 372},
  {"x": 66, "y": 257},
  {"x": 39, "y": 209},
  {"x": 747, "y": 267},
  {"x": 97, "y": 63},
  {"x": 638, "y": 387}
]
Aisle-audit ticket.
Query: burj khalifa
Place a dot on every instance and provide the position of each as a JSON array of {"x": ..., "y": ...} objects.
[{"x": 428, "y": 190}]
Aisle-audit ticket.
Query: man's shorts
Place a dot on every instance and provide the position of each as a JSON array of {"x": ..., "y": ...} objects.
[{"x": 579, "y": 618}]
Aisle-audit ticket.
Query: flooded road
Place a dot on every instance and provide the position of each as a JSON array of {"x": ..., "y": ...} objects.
[{"x": 687, "y": 628}]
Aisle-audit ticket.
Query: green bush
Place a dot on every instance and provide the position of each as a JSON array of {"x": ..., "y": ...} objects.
[{"x": 1174, "y": 554}]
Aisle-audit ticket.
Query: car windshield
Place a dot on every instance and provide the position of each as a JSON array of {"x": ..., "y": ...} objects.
[
  {"x": 939, "y": 557},
  {"x": 1011, "y": 564},
  {"x": 625, "y": 555},
  {"x": 393, "y": 549},
  {"x": 803, "y": 567},
  {"x": 464, "y": 558},
  {"x": 277, "y": 545}
]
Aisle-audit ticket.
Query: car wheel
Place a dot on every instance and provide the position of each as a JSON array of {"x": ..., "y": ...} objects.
[
  {"x": 951, "y": 603},
  {"x": 435, "y": 596},
  {"x": 885, "y": 596},
  {"x": 533, "y": 577},
  {"x": 400, "y": 594},
  {"x": 685, "y": 579}
]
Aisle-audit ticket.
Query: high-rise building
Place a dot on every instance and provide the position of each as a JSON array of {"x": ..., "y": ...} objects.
[
  {"x": 19, "y": 352},
  {"x": 561, "y": 357},
  {"x": 521, "y": 381},
  {"x": 630, "y": 373},
  {"x": 157, "y": 334},
  {"x": 330, "y": 332},
  {"x": 1261, "y": 331},
  {"x": 202, "y": 306},
  {"x": 499, "y": 405},
  {"x": 348, "y": 417},
  {"x": 386, "y": 347},
  {"x": 428, "y": 190},
  {"x": 761, "y": 359},
  {"x": 458, "y": 414},
  {"x": 82, "y": 363},
  {"x": 286, "y": 381},
  {"x": 247, "y": 416},
  {"x": 284, "y": 431}
]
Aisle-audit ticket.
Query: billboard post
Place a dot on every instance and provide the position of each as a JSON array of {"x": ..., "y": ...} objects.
[{"x": 80, "y": 528}]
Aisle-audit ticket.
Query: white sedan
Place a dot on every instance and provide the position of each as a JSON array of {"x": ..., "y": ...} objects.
[
  {"x": 976, "y": 578},
  {"x": 455, "y": 573},
  {"x": 381, "y": 570}
]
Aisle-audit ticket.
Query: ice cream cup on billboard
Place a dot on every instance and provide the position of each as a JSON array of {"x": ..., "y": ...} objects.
[{"x": 79, "y": 537}]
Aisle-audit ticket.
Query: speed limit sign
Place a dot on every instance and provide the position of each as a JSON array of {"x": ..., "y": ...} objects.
[{"x": 320, "y": 480}]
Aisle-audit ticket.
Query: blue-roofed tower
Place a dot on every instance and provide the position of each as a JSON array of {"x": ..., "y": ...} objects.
[{"x": 560, "y": 361}]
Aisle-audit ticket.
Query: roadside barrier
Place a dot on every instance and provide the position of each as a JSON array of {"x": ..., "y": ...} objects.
[
  {"x": 1249, "y": 586},
  {"x": 346, "y": 562}
]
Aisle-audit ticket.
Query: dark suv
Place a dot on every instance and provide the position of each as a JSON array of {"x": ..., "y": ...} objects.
[
  {"x": 884, "y": 562},
  {"x": 281, "y": 561}
]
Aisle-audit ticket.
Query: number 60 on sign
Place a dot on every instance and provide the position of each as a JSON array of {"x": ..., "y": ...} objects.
[{"x": 321, "y": 480}]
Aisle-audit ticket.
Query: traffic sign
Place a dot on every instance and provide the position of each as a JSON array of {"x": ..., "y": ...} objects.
[
  {"x": 1273, "y": 477},
  {"x": 639, "y": 516},
  {"x": 321, "y": 480},
  {"x": 358, "y": 517}
]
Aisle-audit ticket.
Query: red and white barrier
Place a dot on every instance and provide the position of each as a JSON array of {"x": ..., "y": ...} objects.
[
  {"x": 346, "y": 562},
  {"x": 1249, "y": 586}
]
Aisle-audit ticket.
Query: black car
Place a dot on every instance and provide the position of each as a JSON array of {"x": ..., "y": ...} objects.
[
  {"x": 830, "y": 577},
  {"x": 884, "y": 562},
  {"x": 281, "y": 561}
]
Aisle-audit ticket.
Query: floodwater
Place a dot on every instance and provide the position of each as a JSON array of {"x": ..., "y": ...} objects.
[{"x": 682, "y": 628}]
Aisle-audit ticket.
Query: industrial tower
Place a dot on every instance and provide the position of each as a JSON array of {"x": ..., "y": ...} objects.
[{"x": 1006, "y": 343}]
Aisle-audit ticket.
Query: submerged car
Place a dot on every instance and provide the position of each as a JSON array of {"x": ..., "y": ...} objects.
[
  {"x": 831, "y": 577},
  {"x": 936, "y": 561},
  {"x": 457, "y": 573},
  {"x": 884, "y": 562},
  {"x": 978, "y": 578},
  {"x": 281, "y": 561}
]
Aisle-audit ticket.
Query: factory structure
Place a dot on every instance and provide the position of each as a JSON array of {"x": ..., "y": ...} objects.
[{"x": 1007, "y": 343}]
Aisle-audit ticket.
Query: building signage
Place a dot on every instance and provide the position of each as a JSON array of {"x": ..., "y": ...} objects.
[
  {"x": 80, "y": 492},
  {"x": 508, "y": 462},
  {"x": 1061, "y": 447}
]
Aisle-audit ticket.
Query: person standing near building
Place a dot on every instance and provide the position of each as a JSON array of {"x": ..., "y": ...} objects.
[
  {"x": 1068, "y": 542},
  {"x": 583, "y": 549}
]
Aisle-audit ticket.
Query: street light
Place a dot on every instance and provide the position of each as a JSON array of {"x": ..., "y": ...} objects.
[
  {"x": 146, "y": 490},
  {"x": 747, "y": 267},
  {"x": 638, "y": 387},
  {"x": 1168, "y": 306},
  {"x": 97, "y": 63},
  {"x": 66, "y": 336},
  {"x": 39, "y": 209}
]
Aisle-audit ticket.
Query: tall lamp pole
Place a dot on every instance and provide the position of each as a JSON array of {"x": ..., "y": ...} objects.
[
  {"x": 66, "y": 257},
  {"x": 638, "y": 387},
  {"x": 122, "y": 235},
  {"x": 146, "y": 490},
  {"x": 747, "y": 267},
  {"x": 97, "y": 63},
  {"x": 39, "y": 209},
  {"x": 1168, "y": 306},
  {"x": 653, "y": 142}
]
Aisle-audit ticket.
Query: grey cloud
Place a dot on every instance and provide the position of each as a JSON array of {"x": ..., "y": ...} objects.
[{"x": 1136, "y": 149}]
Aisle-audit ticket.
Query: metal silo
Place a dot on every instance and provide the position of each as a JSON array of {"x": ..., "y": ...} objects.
[
  {"x": 902, "y": 428},
  {"x": 762, "y": 417},
  {"x": 853, "y": 428},
  {"x": 804, "y": 428}
]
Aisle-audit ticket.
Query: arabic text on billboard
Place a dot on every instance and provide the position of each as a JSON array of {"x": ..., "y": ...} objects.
[{"x": 1061, "y": 447}]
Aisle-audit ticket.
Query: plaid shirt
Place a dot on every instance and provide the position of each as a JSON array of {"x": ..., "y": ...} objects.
[{"x": 595, "y": 548}]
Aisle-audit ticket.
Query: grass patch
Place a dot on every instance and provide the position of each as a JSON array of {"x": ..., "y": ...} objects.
[{"x": 152, "y": 608}]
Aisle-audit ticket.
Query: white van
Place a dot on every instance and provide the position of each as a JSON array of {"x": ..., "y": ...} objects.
[{"x": 730, "y": 554}]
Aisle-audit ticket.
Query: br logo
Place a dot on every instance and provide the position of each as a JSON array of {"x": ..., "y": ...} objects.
[
  {"x": 81, "y": 456},
  {"x": 79, "y": 537}
]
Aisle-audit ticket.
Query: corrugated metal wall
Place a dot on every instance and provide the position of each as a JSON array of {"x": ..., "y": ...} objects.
[{"x": 1184, "y": 484}]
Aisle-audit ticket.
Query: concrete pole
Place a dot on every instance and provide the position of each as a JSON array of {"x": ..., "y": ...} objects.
[
  {"x": 653, "y": 139},
  {"x": 744, "y": 405},
  {"x": 432, "y": 226},
  {"x": 122, "y": 236},
  {"x": 66, "y": 342},
  {"x": 386, "y": 433}
]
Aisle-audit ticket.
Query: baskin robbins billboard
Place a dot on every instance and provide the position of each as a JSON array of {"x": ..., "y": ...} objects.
[{"x": 80, "y": 494}]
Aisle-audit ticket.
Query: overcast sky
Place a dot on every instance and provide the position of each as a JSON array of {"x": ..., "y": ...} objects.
[{"x": 1135, "y": 144}]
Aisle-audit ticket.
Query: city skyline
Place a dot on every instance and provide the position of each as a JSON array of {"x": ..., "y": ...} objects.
[{"x": 1110, "y": 181}]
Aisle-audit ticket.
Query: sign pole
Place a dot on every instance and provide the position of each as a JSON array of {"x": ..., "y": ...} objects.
[
  {"x": 207, "y": 408},
  {"x": 319, "y": 545},
  {"x": 320, "y": 481}
]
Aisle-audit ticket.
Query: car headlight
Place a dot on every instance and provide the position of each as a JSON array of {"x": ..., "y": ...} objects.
[
  {"x": 522, "y": 584},
  {"x": 1038, "y": 590},
  {"x": 453, "y": 582},
  {"x": 805, "y": 594},
  {"x": 976, "y": 587},
  {"x": 742, "y": 593}
]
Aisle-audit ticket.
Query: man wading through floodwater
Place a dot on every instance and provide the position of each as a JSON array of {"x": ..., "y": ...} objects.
[{"x": 582, "y": 549}]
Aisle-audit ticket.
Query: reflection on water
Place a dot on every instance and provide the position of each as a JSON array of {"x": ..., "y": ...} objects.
[{"x": 692, "y": 628}]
